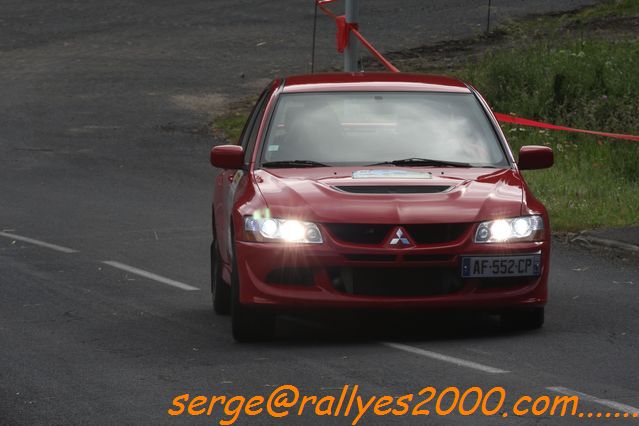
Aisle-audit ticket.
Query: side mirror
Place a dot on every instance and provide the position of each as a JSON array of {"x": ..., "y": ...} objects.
[
  {"x": 227, "y": 156},
  {"x": 535, "y": 157}
]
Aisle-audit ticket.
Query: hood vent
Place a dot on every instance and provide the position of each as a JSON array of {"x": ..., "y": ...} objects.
[{"x": 393, "y": 189}]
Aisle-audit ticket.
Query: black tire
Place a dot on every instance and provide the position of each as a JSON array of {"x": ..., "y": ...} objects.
[
  {"x": 248, "y": 325},
  {"x": 220, "y": 291},
  {"x": 523, "y": 319}
]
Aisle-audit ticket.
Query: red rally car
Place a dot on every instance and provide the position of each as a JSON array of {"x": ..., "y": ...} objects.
[{"x": 375, "y": 191}]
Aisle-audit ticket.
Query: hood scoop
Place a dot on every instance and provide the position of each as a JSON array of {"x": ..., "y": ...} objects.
[
  {"x": 393, "y": 189},
  {"x": 391, "y": 174}
]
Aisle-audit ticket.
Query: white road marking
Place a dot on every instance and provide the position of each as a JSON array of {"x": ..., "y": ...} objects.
[
  {"x": 585, "y": 397},
  {"x": 38, "y": 242},
  {"x": 150, "y": 275},
  {"x": 441, "y": 357}
]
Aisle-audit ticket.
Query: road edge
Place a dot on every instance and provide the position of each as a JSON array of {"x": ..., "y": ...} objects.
[{"x": 590, "y": 241}]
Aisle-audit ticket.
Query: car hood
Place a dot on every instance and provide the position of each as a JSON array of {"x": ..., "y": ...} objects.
[{"x": 469, "y": 194}]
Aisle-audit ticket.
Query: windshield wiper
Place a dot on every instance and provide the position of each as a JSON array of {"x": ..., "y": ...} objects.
[
  {"x": 416, "y": 162},
  {"x": 293, "y": 163}
]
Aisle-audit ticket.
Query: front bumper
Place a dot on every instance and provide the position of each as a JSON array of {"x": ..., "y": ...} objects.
[{"x": 323, "y": 265}]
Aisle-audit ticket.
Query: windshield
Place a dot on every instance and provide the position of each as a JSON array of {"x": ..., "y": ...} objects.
[{"x": 365, "y": 128}]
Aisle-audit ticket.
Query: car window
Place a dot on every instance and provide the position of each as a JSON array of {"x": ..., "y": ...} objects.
[
  {"x": 359, "y": 128},
  {"x": 252, "y": 137},
  {"x": 250, "y": 122}
]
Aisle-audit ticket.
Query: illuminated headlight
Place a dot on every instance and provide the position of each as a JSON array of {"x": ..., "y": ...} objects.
[
  {"x": 525, "y": 228},
  {"x": 281, "y": 230}
]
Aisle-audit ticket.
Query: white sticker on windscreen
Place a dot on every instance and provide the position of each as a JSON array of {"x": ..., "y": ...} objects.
[{"x": 391, "y": 174}]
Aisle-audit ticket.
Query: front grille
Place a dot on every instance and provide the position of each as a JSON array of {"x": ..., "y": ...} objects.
[
  {"x": 394, "y": 189},
  {"x": 377, "y": 234},
  {"x": 407, "y": 282},
  {"x": 362, "y": 257},
  {"x": 359, "y": 233},
  {"x": 436, "y": 233},
  {"x": 428, "y": 257}
]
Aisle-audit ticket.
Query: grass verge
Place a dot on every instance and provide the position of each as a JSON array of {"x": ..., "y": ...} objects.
[{"x": 578, "y": 70}]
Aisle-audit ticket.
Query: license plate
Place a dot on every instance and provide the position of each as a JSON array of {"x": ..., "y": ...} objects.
[{"x": 501, "y": 266}]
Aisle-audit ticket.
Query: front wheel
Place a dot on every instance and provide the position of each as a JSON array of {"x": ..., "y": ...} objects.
[
  {"x": 248, "y": 325},
  {"x": 523, "y": 319},
  {"x": 220, "y": 291}
]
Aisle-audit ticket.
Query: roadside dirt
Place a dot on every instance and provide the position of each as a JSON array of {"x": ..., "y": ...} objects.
[{"x": 447, "y": 56}]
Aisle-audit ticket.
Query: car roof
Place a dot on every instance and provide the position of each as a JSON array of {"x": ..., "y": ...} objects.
[{"x": 338, "y": 82}]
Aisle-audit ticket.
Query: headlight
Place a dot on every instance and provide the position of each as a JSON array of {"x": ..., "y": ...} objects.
[
  {"x": 281, "y": 230},
  {"x": 524, "y": 228}
]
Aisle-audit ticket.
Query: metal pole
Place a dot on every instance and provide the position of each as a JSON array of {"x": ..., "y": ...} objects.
[
  {"x": 314, "y": 32},
  {"x": 350, "y": 52}
]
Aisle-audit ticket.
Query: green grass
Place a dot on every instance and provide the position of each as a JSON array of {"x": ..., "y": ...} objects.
[
  {"x": 570, "y": 78},
  {"x": 230, "y": 125}
]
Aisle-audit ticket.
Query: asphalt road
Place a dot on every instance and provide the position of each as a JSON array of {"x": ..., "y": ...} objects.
[{"x": 104, "y": 141}]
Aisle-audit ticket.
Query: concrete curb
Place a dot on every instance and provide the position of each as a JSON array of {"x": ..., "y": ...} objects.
[{"x": 589, "y": 241}]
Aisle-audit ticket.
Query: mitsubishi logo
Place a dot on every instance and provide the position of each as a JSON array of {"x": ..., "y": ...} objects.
[{"x": 400, "y": 238}]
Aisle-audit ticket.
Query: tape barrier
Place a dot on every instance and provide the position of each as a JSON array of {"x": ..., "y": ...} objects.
[
  {"x": 504, "y": 118},
  {"x": 343, "y": 29},
  {"x": 374, "y": 51}
]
